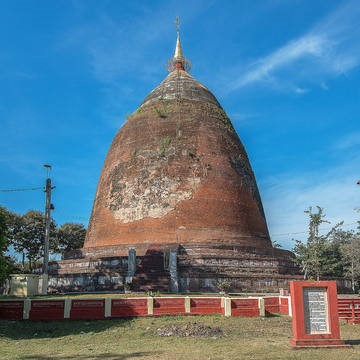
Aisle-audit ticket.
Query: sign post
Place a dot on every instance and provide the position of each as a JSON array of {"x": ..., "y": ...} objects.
[{"x": 315, "y": 315}]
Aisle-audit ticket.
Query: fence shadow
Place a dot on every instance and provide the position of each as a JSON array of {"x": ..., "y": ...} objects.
[
  {"x": 92, "y": 356},
  {"x": 352, "y": 342},
  {"x": 18, "y": 330}
]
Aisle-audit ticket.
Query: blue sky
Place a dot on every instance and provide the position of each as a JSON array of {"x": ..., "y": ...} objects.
[{"x": 286, "y": 72}]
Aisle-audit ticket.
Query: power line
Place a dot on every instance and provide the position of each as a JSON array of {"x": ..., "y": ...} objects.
[
  {"x": 83, "y": 218},
  {"x": 72, "y": 216},
  {"x": 305, "y": 232},
  {"x": 24, "y": 189}
]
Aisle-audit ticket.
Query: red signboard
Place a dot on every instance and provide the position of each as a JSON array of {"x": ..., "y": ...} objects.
[{"x": 315, "y": 315}]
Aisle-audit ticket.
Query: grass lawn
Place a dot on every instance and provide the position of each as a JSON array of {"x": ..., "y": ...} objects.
[{"x": 245, "y": 338}]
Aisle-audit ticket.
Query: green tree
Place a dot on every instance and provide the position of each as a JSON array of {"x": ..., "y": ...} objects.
[
  {"x": 28, "y": 235},
  {"x": 350, "y": 250},
  {"x": 275, "y": 244},
  {"x": 334, "y": 264},
  {"x": 69, "y": 236},
  {"x": 4, "y": 263},
  {"x": 15, "y": 227},
  {"x": 319, "y": 256},
  {"x": 7, "y": 263}
]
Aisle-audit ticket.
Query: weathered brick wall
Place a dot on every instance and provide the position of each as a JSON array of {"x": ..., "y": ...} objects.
[{"x": 177, "y": 172}]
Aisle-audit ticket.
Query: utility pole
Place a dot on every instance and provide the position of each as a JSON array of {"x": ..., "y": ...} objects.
[{"x": 48, "y": 208}]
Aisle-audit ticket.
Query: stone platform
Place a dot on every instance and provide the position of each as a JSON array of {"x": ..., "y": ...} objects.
[{"x": 174, "y": 268}]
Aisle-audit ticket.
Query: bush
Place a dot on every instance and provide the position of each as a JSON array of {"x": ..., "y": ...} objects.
[
  {"x": 128, "y": 286},
  {"x": 224, "y": 285},
  {"x": 164, "y": 144}
]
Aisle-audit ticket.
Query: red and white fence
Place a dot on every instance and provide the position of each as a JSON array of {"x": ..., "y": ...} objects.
[
  {"x": 107, "y": 308},
  {"x": 349, "y": 310}
]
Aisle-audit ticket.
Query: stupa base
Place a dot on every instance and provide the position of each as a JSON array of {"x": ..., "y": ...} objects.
[{"x": 175, "y": 268}]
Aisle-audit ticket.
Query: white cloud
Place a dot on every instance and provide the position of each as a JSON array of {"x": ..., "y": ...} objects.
[
  {"x": 300, "y": 90},
  {"x": 122, "y": 53},
  {"x": 110, "y": 45},
  {"x": 262, "y": 70},
  {"x": 330, "y": 48},
  {"x": 349, "y": 141},
  {"x": 286, "y": 197},
  {"x": 126, "y": 47},
  {"x": 324, "y": 86}
]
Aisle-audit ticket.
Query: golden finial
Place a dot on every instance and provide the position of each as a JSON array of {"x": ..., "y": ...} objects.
[
  {"x": 178, "y": 55},
  {"x": 178, "y": 62}
]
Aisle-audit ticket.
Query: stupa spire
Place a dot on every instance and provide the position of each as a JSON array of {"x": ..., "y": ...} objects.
[
  {"x": 178, "y": 62},
  {"x": 178, "y": 54}
]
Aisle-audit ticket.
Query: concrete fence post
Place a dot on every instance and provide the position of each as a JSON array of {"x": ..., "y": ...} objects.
[
  {"x": 187, "y": 304},
  {"x": 290, "y": 306},
  {"x": 227, "y": 306},
  {"x": 150, "y": 305},
  {"x": 27, "y": 307},
  {"x": 107, "y": 307},
  {"x": 261, "y": 307},
  {"x": 67, "y": 308}
]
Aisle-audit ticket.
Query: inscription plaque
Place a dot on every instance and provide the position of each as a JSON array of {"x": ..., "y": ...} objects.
[
  {"x": 316, "y": 310},
  {"x": 315, "y": 315}
]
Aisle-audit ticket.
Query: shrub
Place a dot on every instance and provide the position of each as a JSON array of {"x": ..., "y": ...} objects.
[
  {"x": 224, "y": 285},
  {"x": 164, "y": 144}
]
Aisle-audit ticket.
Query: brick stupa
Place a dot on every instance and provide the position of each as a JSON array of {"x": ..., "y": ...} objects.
[{"x": 177, "y": 206}]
